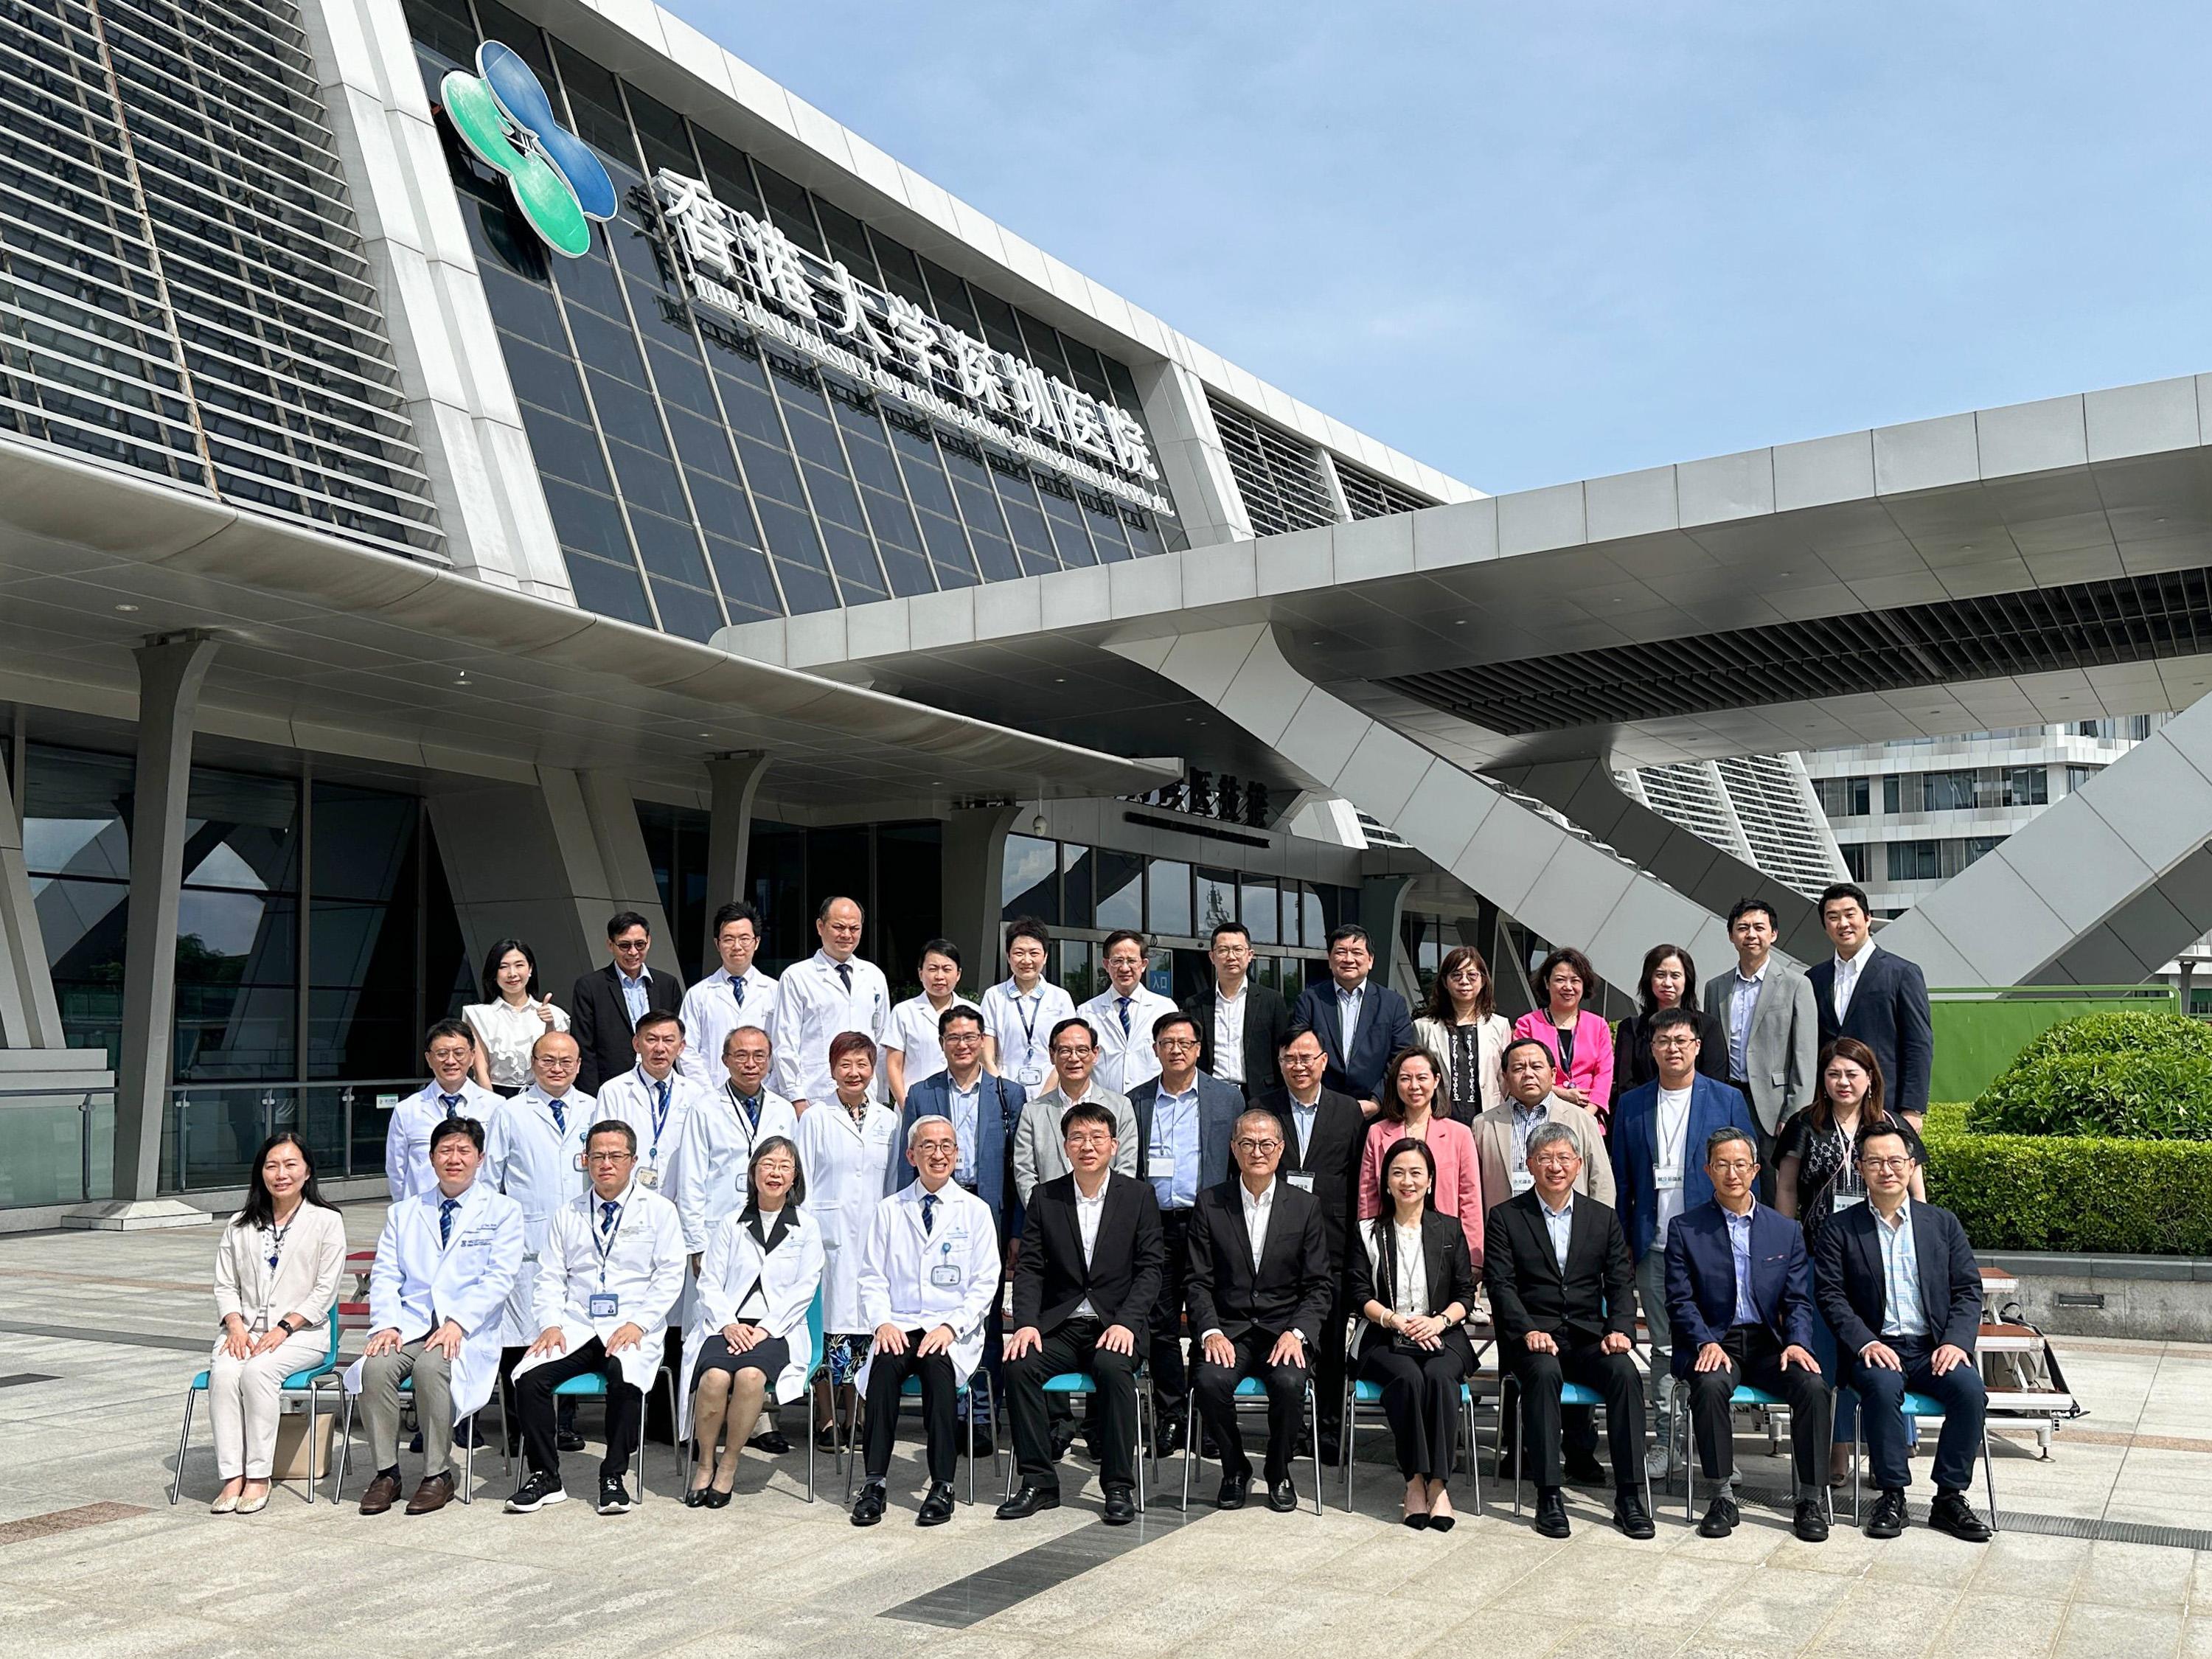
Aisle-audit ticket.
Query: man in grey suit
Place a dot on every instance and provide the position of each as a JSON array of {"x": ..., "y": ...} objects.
[
  {"x": 1773, "y": 1026},
  {"x": 1040, "y": 1149}
]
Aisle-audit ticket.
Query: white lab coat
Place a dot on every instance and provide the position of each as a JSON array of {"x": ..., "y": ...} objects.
[
  {"x": 812, "y": 1009},
  {"x": 788, "y": 1276},
  {"x": 712, "y": 1011},
  {"x": 1125, "y": 1061},
  {"x": 643, "y": 1271},
  {"x": 417, "y": 1284},
  {"x": 534, "y": 1162},
  {"x": 898, "y": 1263},
  {"x": 407, "y": 1137},
  {"x": 845, "y": 1164},
  {"x": 631, "y": 1097},
  {"x": 713, "y": 1175}
]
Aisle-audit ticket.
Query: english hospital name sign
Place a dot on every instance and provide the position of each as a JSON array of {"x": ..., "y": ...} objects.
[{"x": 738, "y": 265}]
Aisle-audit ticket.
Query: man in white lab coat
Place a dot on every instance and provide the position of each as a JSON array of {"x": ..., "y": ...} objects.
[
  {"x": 736, "y": 994},
  {"x": 449, "y": 1048},
  {"x": 929, "y": 1275},
  {"x": 830, "y": 992},
  {"x": 445, "y": 1263},
  {"x": 1122, "y": 1015},
  {"x": 609, "y": 1281},
  {"x": 657, "y": 1101}
]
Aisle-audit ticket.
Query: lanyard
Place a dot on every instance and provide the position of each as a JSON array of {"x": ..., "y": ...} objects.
[
  {"x": 277, "y": 1241},
  {"x": 1029, "y": 1020},
  {"x": 663, "y": 1102},
  {"x": 603, "y": 1241},
  {"x": 738, "y": 1105}
]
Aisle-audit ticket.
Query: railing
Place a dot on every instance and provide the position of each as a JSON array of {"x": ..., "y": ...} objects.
[
  {"x": 57, "y": 1146},
  {"x": 210, "y": 1131}
]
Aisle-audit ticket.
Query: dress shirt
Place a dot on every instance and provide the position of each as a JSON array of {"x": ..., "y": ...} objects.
[
  {"x": 966, "y": 1105},
  {"x": 1175, "y": 1141},
  {"x": 1229, "y": 1032},
  {"x": 1021, "y": 1023},
  {"x": 1257, "y": 1213},
  {"x": 1087, "y": 1211},
  {"x": 1410, "y": 1296},
  {"x": 913, "y": 1034},
  {"x": 714, "y": 1008},
  {"x": 1847, "y": 977},
  {"x": 1347, "y": 1013},
  {"x": 508, "y": 1034},
  {"x": 1670, "y": 1131},
  {"x": 1525, "y": 1121},
  {"x": 1739, "y": 1233},
  {"x": 1302, "y": 1122},
  {"x": 1743, "y": 997},
  {"x": 1560, "y": 1223},
  {"x": 635, "y": 997},
  {"x": 1902, "y": 1314}
]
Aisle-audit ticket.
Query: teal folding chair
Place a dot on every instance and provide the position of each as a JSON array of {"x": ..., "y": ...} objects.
[
  {"x": 821, "y": 1371},
  {"x": 980, "y": 1383},
  {"x": 1745, "y": 1398},
  {"x": 302, "y": 1384},
  {"x": 468, "y": 1447},
  {"x": 1081, "y": 1384},
  {"x": 1362, "y": 1395},
  {"x": 1250, "y": 1391},
  {"x": 1571, "y": 1394},
  {"x": 1918, "y": 1407},
  {"x": 593, "y": 1385}
]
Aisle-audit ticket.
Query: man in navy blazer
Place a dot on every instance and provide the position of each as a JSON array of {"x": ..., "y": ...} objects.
[
  {"x": 1740, "y": 1298},
  {"x": 1380, "y": 1022},
  {"x": 1657, "y": 1146},
  {"x": 1885, "y": 1001},
  {"x": 1898, "y": 1285}
]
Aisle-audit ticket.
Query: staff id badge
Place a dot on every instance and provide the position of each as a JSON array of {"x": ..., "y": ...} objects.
[
  {"x": 605, "y": 1304},
  {"x": 1667, "y": 1181},
  {"x": 1030, "y": 1075},
  {"x": 1301, "y": 1179},
  {"x": 1161, "y": 1163},
  {"x": 945, "y": 1276},
  {"x": 1523, "y": 1180},
  {"x": 648, "y": 1177},
  {"x": 1844, "y": 1201}
]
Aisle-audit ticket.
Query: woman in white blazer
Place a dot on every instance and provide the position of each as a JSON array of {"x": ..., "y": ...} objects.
[
  {"x": 1465, "y": 1034},
  {"x": 846, "y": 1142},
  {"x": 760, "y": 1275},
  {"x": 275, "y": 1275}
]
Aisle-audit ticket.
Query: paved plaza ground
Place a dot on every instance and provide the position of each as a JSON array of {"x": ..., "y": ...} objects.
[{"x": 101, "y": 1332}]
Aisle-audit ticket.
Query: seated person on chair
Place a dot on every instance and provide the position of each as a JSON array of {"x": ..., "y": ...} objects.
[
  {"x": 1412, "y": 1281},
  {"x": 1563, "y": 1294},
  {"x": 1740, "y": 1299},
  {"x": 929, "y": 1272},
  {"x": 613, "y": 1270},
  {"x": 1085, "y": 1286},
  {"x": 1899, "y": 1286},
  {"x": 1258, "y": 1288},
  {"x": 437, "y": 1305},
  {"x": 761, "y": 1272}
]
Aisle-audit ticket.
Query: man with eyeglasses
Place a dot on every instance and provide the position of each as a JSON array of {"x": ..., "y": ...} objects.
[
  {"x": 1660, "y": 1132},
  {"x": 449, "y": 1048},
  {"x": 735, "y": 995},
  {"x": 605, "y": 1006},
  {"x": 1739, "y": 1294},
  {"x": 1123, "y": 1014},
  {"x": 1039, "y": 1154},
  {"x": 1898, "y": 1284}
]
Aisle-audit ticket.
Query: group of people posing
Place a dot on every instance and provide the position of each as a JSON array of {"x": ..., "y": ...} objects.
[{"x": 1239, "y": 1189}]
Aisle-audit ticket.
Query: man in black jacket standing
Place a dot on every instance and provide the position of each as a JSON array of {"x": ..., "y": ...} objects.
[
  {"x": 605, "y": 1006},
  {"x": 1563, "y": 1294},
  {"x": 1241, "y": 1025},
  {"x": 1084, "y": 1285}
]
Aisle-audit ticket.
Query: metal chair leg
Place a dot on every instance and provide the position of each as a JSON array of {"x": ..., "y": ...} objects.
[
  {"x": 1689, "y": 1454},
  {"x": 1139, "y": 1404},
  {"x": 1313, "y": 1411},
  {"x": 183, "y": 1439},
  {"x": 310, "y": 1445},
  {"x": 345, "y": 1453},
  {"x": 469, "y": 1465},
  {"x": 1989, "y": 1476},
  {"x": 1189, "y": 1444}
]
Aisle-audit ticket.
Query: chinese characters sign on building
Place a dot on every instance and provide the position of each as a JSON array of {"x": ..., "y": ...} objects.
[{"x": 737, "y": 264}]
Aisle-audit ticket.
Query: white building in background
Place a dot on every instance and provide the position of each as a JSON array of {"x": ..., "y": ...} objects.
[{"x": 1759, "y": 808}]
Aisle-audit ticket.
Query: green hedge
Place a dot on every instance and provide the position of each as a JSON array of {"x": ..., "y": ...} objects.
[
  {"x": 2014, "y": 1192},
  {"x": 2139, "y": 1076}
]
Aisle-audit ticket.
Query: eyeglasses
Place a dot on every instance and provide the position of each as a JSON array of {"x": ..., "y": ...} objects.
[
  {"x": 1673, "y": 1042},
  {"x": 1175, "y": 1043},
  {"x": 1071, "y": 1050},
  {"x": 557, "y": 1062},
  {"x": 1246, "y": 1143},
  {"x": 1735, "y": 1166},
  {"x": 936, "y": 1148},
  {"x": 608, "y": 1157},
  {"x": 1553, "y": 1160},
  {"x": 1868, "y": 1162},
  {"x": 631, "y": 947},
  {"x": 450, "y": 1051}
]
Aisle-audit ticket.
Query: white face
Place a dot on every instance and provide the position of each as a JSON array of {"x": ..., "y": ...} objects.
[
  {"x": 941, "y": 976},
  {"x": 1409, "y": 1178},
  {"x": 514, "y": 971},
  {"x": 1417, "y": 1084},
  {"x": 735, "y": 945},
  {"x": 1231, "y": 954},
  {"x": 1349, "y": 960},
  {"x": 454, "y": 1160},
  {"x": 1846, "y": 1082},
  {"x": 608, "y": 1161},
  {"x": 1846, "y": 923},
  {"x": 284, "y": 1172},
  {"x": 745, "y": 1057},
  {"x": 1669, "y": 981},
  {"x": 1753, "y": 934},
  {"x": 839, "y": 930},
  {"x": 1176, "y": 1045},
  {"x": 1565, "y": 985},
  {"x": 553, "y": 1062},
  {"x": 1465, "y": 984},
  {"x": 658, "y": 1046},
  {"x": 1024, "y": 959},
  {"x": 1125, "y": 966},
  {"x": 449, "y": 1058}
]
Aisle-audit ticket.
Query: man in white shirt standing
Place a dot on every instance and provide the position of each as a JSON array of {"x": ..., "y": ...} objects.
[
  {"x": 656, "y": 1100},
  {"x": 819, "y": 999},
  {"x": 1123, "y": 1013},
  {"x": 449, "y": 1048},
  {"x": 736, "y": 994},
  {"x": 1020, "y": 1012}
]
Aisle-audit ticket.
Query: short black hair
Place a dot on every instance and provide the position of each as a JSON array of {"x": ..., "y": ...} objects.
[
  {"x": 958, "y": 1011},
  {"x": 1505, "y": 1054},
  {"x": 449, "y": 1028},
  {"x": 1029, "y": 927},
  {"x": 1744, "y": 907},
  {"x": 1844, "y": 889},
  {"x": 623, "y": 920},
  {"x": 652, "y": 1017},
  {"x": 1298, "y": 1031},
  {"x": 447, "y": 1128},
  {"x": 1221, "y": 928},
  {"x": 1085, "y": 1111},
  {"x": 1666, "y": 1019},
  {"x": 1178, "y": 1018},
  {"x": 1345, "y": 930},
  {"x": 1725, "y": 1134},
  {"x": 1877, "y": 1130},
  {"x": 1089, "y": 1029},
  {"x": 613, "y": 1125},
  {"x": 941, "y": 947},
  {"x": 1119, "y": 936},
  {"x": 736, "y": 910}
]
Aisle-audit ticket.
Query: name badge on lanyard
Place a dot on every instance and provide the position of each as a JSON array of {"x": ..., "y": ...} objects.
[
  {"x": 945, "y": 1275},
  {"x": 1667, "y": 1180},
  {"x": 605, "y": 1304},
  {"x": 1301, "y": 1179},
  {"x": 1844, "y": 1201},
  {"x": 1161, "y": 1162},
  {"x": 1523, "y": 1180}
]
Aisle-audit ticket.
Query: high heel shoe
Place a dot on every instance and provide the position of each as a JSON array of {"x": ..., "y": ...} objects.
[
  {"x": 1442, "y": 1523},
  {"x": 1419, "y": 1522}
]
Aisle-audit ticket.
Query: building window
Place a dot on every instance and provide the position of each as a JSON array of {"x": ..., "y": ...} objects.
[
  {"x": 1855, "y": 858},
  {"x": 1844, "y": 797},
  {"x": 1030, "y": 883},
  {"x": 1947, "y": 792},
  {"x": 1914, "y": 860},
  {"x": 2078, "y": 775},
  {"x": 1892, "y": 794}
]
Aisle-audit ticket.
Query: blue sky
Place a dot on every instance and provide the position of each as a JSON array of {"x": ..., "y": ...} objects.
[{"x": 1529, "y": 243}]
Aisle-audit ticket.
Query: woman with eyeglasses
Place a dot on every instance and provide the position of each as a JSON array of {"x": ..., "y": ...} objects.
[
  {"x": 1465, "y": 1034},
  {"x": 1580, "y": 1041}
]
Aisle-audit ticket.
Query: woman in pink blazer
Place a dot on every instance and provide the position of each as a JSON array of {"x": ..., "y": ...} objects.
[
  {"x": 1413, "y": 1106},
  {"x": 1581, "y": 1041}
]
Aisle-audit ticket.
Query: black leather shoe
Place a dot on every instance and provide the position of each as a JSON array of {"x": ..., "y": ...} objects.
[
  {"x": 774, "y": 1442},
  {"x": 1233, "y": 1493},
  {"x": 1811, "y": 1522},
  {"x": 868, "y": 1507},
  {"x": 1583, "y": 1470},
  {"x": 1551, "y": 1513},
  {"x": 1952, "y": 1513},
  {"x": 826, "y": 1437},
  {"x": 1027, "y": 1501},
  {"x": 1629, "y": 1515},
  {"x": 716, "y": 1499},
  {"x": 937, "y": 1507},
  {"x": 1172, "y": 1438},
  {"x": 1120, "y": 1506},
  {"x": 695, "y": 1497},
  {"x": 568, "y": 1440},
  {"x": 1889, "y": 1513},
  {"x": 1721, "y": 1519},
  {"x": 1282, "y": 1496}
]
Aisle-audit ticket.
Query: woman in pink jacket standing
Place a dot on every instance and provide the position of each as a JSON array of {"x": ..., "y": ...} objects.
[
  {"x": 1414, "y": 1108},
  {"x": 1581, "y": 1041}
]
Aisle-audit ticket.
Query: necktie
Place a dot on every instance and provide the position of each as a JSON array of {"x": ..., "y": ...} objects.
[
  {"x": 560, "y": 1115},
  {"x": 452, "y": 1104},
  {"x": 608, "y": 1209},
  {"x": 845, "y": 973},
  {"x": 928, "y": 1212},
  {"x": 1124, "y": 1001},
  {"x": 660, "y": 1100},
  {"x": 752, "y": 1111},
  {"x": 446, "y": 1208}
]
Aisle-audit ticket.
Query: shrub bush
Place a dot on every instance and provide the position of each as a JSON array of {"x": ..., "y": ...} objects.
[
  {"x": 2126, "y": 1076},
  {"x": 2071, "y": 1192}
]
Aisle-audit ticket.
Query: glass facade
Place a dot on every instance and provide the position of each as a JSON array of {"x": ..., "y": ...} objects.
[
  {"x": 697, "y": 474},
  {"x": 182, "y": 286}
]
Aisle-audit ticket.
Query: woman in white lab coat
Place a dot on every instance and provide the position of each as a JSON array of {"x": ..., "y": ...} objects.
[
  {"x": 761, "y": 1270},
  {"x": 845, "y": 1146}
]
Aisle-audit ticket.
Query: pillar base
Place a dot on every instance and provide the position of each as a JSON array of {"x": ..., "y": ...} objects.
[{"x": 135, "y": 1215}]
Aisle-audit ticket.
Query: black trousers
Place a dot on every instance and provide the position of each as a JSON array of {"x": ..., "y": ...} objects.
[
  {"x": 1420, "y": 1396},
  {"x": 887, "y": 1374},
  {"x": 1959, "y": 1391},
  {"x": 1074, "y": 1347},
  {"x": 1755, "y": 1358},
  {"x": 534, "y": 1392},
  {"x": 1214, "y": 1388},
  {"x": 1766, "y": 1145},
  {"x": 1164, "y": 1351},
  {"x": 508, "y": 1359},
  {"x": 1616, "y": 1381},
  {"x": 1328, "y": 1351}
]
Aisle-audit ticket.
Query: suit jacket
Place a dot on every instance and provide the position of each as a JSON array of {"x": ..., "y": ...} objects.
[
  {"x": 1634, "y": 1145},
  {"x": 1447, "y": 1268},
  {"x": 1331, "y": 1158},
  {"x": 1493, "y": 1150},
  {"x": 1219, "y": 1104},
  {"x": 1592, "y": 1070},
  {"x": 1386, "y": 1026},
  {"x": 1848, "y": 1280},
  {"x": 1267, "y": 1022},
  {"x": 599, "y": 1020},
  {"x": 1293, "y": 1289},
  {"x": 1633, "y": 1066},
  {"x": 1128, "y": 1258},
  {"x": 1782, "y": 1050},
  {"x": 1457, "y": 1194},
  {"x": 1701, "y": 1280},
  {"x": 1889, "y": 1014},
  {"x": 998, "y": 1109},
  {"x": 1596, "y": 1296}
]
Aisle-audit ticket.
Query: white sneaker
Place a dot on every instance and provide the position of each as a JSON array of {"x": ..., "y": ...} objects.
[{"x": 1656, "y": 1463}]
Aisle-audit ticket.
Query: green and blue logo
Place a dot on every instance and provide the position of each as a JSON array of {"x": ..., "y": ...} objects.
[{"x": 504, "y": 117}]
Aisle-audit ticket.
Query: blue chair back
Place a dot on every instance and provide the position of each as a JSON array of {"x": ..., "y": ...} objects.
[
  {"x": 814, "y": 1324},
  {"x": 1574, "y": 1394},
  {"x": 305, "y": 1376},
  {"x": 588, "y": 1384}
]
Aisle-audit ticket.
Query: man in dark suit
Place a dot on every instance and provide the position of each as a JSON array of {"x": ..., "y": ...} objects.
[
  {"x": 1740, "y": 1298},
  {"x": 1084, "y": 1288},
  {"x": 1898, "y": 1284},
  {"x": 1563, "y": 1296},
  {"x": 1324, "y": 1136},
  {"x": 1184, "y": 1122},
  {"x": 605, "y": 1006},
  {"x": 1360, "y": 1023},
  {"x": 1883, "y": 1002},
  {"x": 1260, "y": 1289},
  {"x": 1255, "y": 1019}
]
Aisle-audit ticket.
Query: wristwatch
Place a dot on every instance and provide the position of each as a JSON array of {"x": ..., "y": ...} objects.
[{"x": 286, "y": 1326}]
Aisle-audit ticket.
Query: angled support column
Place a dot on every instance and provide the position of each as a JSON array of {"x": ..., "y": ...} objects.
[
  {"x": 735, "y": 781},
  {"x": 30, "y": 1017},
  {"x": 972, "y": 869}
]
